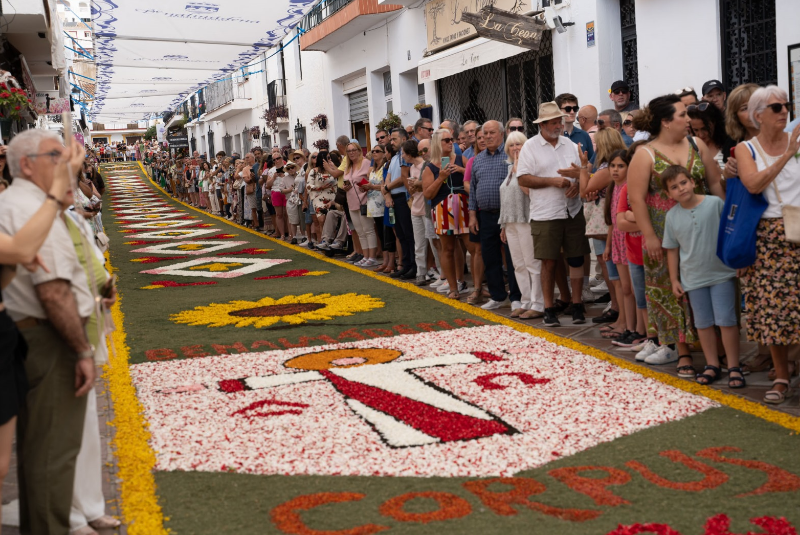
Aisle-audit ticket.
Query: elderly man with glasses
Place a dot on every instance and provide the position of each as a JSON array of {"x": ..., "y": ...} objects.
[{"x": 382, "y": 138}]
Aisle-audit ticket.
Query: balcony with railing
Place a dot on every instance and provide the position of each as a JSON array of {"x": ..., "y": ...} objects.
[
  {"x": 276, "y": 93},
  {"x": 332, "y": 22},
  {"x": 224, "y": 99}
]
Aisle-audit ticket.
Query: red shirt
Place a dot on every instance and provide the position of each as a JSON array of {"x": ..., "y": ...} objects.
[{"x": 633, "y": 240}]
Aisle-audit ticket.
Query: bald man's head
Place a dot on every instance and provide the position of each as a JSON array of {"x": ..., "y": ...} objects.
[{"x": 587, "y": 117}]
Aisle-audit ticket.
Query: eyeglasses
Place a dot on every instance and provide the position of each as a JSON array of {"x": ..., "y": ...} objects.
[
  {"x": 54, "y": 155},
  {"x": 600, "y": 122},
  {"x": 428, "y": 128},
  {"x": 380, "y": 138},
  {"x": 687, "y": 89},
  {"x": 516, "y": 128},
  {"x": 570, "y": 109},
  {"x": 377, "y": 151},
  {"x": 627, "y": 122},
  {"x": 776, "y": 107},
  {"x": 703, "y": 106},
  {"x": 423, "y": 151},
  {"x": 447, "y": 140},
  {"x": 295, "y": 158},
  {"x": 621, "y": 91}
]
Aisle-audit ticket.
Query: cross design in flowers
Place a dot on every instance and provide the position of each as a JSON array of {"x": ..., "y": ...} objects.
[{"x": 405, "y": 410}]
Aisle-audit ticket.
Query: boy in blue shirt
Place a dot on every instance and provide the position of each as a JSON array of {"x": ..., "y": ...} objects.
[{"x": 690, "y": 237}]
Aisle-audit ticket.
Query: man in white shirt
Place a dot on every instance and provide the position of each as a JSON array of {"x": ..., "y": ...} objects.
[
  {"x": 50, "y": 310},
  {"x": 556, "y": 212}
]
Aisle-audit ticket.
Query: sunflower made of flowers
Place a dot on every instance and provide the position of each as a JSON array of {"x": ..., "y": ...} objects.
[{"x": 294, "y": 309}]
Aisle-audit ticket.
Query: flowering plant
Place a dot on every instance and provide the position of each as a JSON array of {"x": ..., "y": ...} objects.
[
  {"x": 13, "y": 101},
  {"x": 320, "y": 122},
  {"x": 391, "y": 121},
  {"x": 271, "y": 116},
  {"x": 421, "y": 105},
  {"x": 255, "y": 131},
  {"x": 321, "y": 144}
]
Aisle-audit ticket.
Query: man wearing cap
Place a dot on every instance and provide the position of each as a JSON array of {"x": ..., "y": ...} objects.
[
  {"x": 620, "y": 95},
  {"x": 714, "y": 92},
  {"x": 556, "y": 211}
]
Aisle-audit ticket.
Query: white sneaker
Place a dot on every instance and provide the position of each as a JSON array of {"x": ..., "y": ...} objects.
[
  {"x": 437, "y": 283},
  {"x": 664, "y": 355},
  {"x": 444, "y": 288},
  {"x": 595, "y": 282},
  {"x": 649, "y": 348},
  {"x": 608, "y": 307},
  {"x": 462, "y": 286},
  {"x": 433, "y": 274},
  {"x": 491, "y": 304},
  {"x": 636, "y": 348},
  {"x": 587, "y": 295},
  {"x": 515, "y": 305}
]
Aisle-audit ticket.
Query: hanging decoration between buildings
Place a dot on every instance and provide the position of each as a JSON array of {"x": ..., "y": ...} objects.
[{"x": 506, "y": 27}]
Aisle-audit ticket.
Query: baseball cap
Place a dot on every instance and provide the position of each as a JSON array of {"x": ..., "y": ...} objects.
[
  {"x": 619, "y": 84},
  {"x": 711, "y": 85}
]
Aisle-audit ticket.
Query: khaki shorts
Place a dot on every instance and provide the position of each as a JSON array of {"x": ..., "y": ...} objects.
[{"x": 551, "y": 237}]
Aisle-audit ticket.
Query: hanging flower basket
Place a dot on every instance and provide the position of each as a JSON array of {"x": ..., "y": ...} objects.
[
  {"x": 255, "y": 132},
  {"x": 271, "y": 116},
  {"x": 13, "y": 101},
  {"x": 321, "y": 144},
  {"x": 320, "y": 122},
  {"x": 391, "y": 121}
]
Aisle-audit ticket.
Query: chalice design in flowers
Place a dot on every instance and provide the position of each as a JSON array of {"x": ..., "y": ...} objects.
[
  {"x": 405, "y": 410},
  {"x": 293, "y": 309}
]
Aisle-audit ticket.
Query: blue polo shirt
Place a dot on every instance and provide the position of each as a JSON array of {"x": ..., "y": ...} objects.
[
  {"x": 579, "y": 136},
  {"x": 394, "y": 174}
]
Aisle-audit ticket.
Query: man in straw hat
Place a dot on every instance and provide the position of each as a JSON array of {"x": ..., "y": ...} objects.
[{"x": 546, "y": 163}]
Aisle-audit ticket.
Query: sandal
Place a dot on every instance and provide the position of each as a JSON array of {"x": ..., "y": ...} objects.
[
  {"x": 474, "y": 297},
  {"x": 452, "y": 295},
  {"x": 776, "y": 397},
  {"x": 740, "y": 381},
  {"x": 723, "y": 365},
  {"x": 612, "y": 334},
  {"x": 686, "y": 370},
  {"x": 606, "y": 328},
  {"x": 705, "y": 379}
]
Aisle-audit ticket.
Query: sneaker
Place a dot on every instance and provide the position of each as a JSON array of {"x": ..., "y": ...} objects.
[
  {"x": 323, "y": 245},
  {"x": 444, "y": 288},
  {"x": 578, "y": 314},
  {"x": 608, "y": 307},
  {"x": 436, "y": 283},
  {"x": 370, "y": 262},
  {"x": 649, "y": 348},
  {"x": 664, "y": 355},
  {"x": 336, "y": 245},
  {"x": 421, "y": 280},
  {"x": 632, "y": 339},
  {"x": 293, "y": 241},
  {"x": 587, "y": 296},
  {"x": 601, "y": 287},
  {"x": 433, "y": 274},
  {"x": 637, "y": 347},
  {"x": 305, "y": 243},
  {"x": 462, "y": 286},
  {"x": 594, "y": 282},
  {"x": 491, "y": 304},
  {"x": 551, "y": 318},
  {"x": 409, "y": 275},
  {"x": 355, "y": 258}
]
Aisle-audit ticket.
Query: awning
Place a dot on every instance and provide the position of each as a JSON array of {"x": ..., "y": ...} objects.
[
  {"x": 474, "y": 53},
  {"x": 152, "y": 54}
]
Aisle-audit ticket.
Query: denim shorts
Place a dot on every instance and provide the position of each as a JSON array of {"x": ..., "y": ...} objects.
[
  {"x": 613, "y": 274},
  {"x": 637, "y": 280},
  {"x": 599, "y": 246},
  {"x": 714, "y": 305}
]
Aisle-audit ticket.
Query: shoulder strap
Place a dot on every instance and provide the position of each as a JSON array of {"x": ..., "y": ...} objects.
[
  {"x": 693, "y": 143},
  {"x": 763, "y": 156},
  {"x": 652, "y": 155}
]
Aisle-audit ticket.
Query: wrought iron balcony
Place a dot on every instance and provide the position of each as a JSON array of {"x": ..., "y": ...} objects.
[
  {"x": 276, "y": 92},
  {"x": 320, "y": 12}
]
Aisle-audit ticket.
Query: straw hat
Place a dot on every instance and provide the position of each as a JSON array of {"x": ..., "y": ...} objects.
[{"x": 547, "y": 111}]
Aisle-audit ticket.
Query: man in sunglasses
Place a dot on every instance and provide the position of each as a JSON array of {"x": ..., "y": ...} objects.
[
  {"x": 620, "y": 95},
  {"x": 382, "y": 138},
  {"x": 423, "y": 129},
  {"x": 569, "y": 105},
  {"x": 613, "y": 119}
]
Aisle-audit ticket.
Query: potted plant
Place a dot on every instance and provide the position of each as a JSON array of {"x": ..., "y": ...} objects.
[
  {"x": 271, "y": 116},
  {"x": 425, "y": 111},
  {"x": 255, "y": 132},
  {"x": 13, "y": 101},
  {"x": 391, "y": 121},
  {"x": 320, "y": 122},
  {"x": 321, "y": 144}
]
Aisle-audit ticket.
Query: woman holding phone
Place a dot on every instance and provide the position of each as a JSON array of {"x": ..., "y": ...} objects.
[
  {"x": 443, "y": 184},
  {"x": 356, "y": 184}
]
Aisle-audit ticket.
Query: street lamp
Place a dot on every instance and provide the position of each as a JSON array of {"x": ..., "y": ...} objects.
[{"x": 300, "y": 134}]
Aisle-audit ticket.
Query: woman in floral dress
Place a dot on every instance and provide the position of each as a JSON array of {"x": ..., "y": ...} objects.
[
  {"x": 321, "y": 188},
  {"x": 669, "y": 320}
]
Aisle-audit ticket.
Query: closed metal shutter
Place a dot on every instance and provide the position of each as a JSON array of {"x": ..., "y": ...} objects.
[{"x": 359, "y": 106}]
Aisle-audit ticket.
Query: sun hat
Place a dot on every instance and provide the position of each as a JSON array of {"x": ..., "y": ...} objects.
[{"x": 547, "y": 111}]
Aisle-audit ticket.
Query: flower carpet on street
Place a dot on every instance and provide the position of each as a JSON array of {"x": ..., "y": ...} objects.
[{"x": 262, "y": 388}]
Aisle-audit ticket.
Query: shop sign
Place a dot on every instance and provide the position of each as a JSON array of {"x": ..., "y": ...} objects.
[
  {"x": 446, "y": 26},
  {"x": 179, "y": 140},
  {"x": 506, "y": 27}
]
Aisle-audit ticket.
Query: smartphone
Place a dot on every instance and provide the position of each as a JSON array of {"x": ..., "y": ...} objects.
[{"x": 445, "y": 161}]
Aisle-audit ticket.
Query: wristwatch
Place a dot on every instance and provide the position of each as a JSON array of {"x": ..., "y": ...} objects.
[{"x": 89, "y": 353}]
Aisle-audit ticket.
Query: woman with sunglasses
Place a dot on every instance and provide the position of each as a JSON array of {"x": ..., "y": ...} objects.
[
  {"x": 768, "y": 164},
  {"x": 375, "y": 209},
  {"x": 355, "y": 183},
  {"x": 444, "y": 186}
]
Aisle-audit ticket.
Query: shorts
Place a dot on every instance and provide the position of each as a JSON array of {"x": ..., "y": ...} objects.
[
  {"x": 451, "y": 216},
  {"x": 295, "y": 212},
  {"x": 613, "y": 274},
  {"x": 219, "y": 194},
  {"x": 550, "y": 237},
  {"x": 599, "y": 246},
  {"x": 714, "y": 305},
  {"x": 278, "y": 199},
  {"x": 637, "y": 280}
]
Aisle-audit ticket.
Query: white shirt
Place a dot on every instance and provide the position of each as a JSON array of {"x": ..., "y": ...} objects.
[
  {"x": 787, "y": 182},
  {"x": 540, "y": 158},
  {"x": 17, "y": 205}
]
